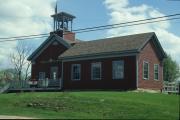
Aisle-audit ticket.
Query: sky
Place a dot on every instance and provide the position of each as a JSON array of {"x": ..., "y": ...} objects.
[{"x": 26, "y": 17}]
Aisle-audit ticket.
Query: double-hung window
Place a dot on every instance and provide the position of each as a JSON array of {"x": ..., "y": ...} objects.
[
  {"x": 76, "y": 72},
  {"x": 156, "y": 71},
  {"x": 146, "y": 70},
  {"x": 118, "y": 69},
  {"x": 96, "y": 71}
]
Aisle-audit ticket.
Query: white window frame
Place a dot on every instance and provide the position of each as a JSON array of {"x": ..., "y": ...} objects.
[
  {"x": 143, "y": 70},
  {"x": 113, "y": 74},
  {"x": 157, "y": 71},
  {"x": 95, "y": 64},
  {"x": 72, "y": 77}
]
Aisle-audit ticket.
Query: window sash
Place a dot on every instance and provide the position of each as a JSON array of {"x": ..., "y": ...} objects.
[
  {"x": 76, "y": 72},
  {"x": 96, "y": 71},
  {"x": 156, "y": 71},
  {"x": 118, "y": 69},
  {"x": 146, "y": 70}
]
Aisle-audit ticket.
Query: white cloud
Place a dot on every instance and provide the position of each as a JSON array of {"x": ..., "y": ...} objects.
[
  {"x": 121, "y": 11},
  {"x": 23, "y": 17}
]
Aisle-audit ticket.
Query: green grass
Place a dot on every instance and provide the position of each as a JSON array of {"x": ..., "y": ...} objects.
[{"x": 93, "y": 105}]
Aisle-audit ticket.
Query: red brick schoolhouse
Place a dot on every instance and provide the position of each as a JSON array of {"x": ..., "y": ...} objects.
[{"x": 123, "y": 63}]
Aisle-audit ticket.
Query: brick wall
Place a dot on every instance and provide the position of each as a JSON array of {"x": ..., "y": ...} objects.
[
  {"x": 149, "y": 55},
  {"x": 69, "y": 36}
]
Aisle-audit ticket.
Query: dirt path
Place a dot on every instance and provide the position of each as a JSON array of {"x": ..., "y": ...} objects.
[{"x": 13, "y": 117}]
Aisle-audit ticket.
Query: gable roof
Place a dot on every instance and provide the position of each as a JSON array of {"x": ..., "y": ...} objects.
[
  {"x": 46, "y": 43},
  {"x": 124, "y": 44}
]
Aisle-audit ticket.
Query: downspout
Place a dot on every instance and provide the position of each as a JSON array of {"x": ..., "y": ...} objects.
[
  {"x": 137, "y": 71},
  {"x": 62, "y": 75}
]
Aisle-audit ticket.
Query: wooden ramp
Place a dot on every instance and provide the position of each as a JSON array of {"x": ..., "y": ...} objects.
[
  {"x": 16, "y": 90},
  {"x": 4, "y": 88},
  {"x": 42, "y": 86}
]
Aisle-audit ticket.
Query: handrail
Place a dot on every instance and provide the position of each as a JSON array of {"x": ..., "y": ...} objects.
[{"x": 5, "y": 88}]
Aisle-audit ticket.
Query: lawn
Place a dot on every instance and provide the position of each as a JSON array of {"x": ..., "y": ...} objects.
[{"x": 93, "y": 105}]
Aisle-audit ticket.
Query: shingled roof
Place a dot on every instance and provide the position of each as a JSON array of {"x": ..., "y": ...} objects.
[{"x": 130, "y": 43}]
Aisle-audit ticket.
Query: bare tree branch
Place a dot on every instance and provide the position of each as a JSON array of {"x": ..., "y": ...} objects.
[{"x": 19, "y": 60}]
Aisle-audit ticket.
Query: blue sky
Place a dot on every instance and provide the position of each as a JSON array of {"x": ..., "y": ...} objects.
[
  {"x": 89, "y": 13},
  {"x": 101, "y": 12},
  {"x": 94, "y": 13}
]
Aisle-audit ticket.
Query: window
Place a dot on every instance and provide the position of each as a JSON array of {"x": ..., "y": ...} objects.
[
  {"x": 118, "y": 69},
  {"x": 146, "y": 70},
  {"x": 42, "y": 75},
  {"x": 156, "y": 71},
  {"x": 96, "y": 71},
  {"x": 76, "y": 72}
]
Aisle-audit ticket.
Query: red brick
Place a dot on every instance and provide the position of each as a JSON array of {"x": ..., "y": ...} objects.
[{"x": 149, "y": 54}]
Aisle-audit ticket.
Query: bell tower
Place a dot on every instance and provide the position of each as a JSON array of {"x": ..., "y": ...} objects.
[{"x": 63, "y": 23}]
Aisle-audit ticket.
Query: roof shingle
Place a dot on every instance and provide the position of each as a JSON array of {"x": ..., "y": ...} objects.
[{"x": 116, "y": 44}]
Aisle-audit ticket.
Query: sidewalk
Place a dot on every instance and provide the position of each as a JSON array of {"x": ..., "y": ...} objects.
[{"x": 13, "y": 117}]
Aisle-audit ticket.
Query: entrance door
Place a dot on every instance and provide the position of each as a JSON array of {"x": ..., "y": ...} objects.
[{"x": 54, "y": 73}]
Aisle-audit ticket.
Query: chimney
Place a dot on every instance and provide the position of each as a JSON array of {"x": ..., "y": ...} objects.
[{"x": 68, "y": 35}]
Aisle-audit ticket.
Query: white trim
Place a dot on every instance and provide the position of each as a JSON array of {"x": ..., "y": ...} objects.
[
  {"x": 95, "y": 63},
  {"x": 72, "y": 77},
  {"x": 158, "y": 72},
  {"x": 143, "y": 70}
]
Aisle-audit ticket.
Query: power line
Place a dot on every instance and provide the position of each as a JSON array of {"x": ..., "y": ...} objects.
[
  {"x": 27, "y": 36},
  {"x": 112, "y": 27},
  {"x": 126, "y": 24},
  {"x": 173, "y": 15},
  {"x": 24, "y": 38},
  {"x": 96, "y": 26}
]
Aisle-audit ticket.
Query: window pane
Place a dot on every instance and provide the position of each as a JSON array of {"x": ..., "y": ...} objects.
[
  {"x": 96, "y": 71},
  {"x": 146, "y": 70},
  {"x": 118, "y": 69},
  {"x": 76, "y": 71},
  {"x": 156, "y": 71}
]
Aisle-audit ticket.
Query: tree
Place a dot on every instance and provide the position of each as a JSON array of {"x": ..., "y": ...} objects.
[
  {"x": 6, "y": 75},
  {"x": 171, "y": 70},
  {"x": 19, "y": 60}
]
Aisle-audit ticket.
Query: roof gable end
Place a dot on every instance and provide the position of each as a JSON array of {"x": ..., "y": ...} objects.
[
  {"x": 161, "y": 53},
  {"x": 45, "y": 44}
]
